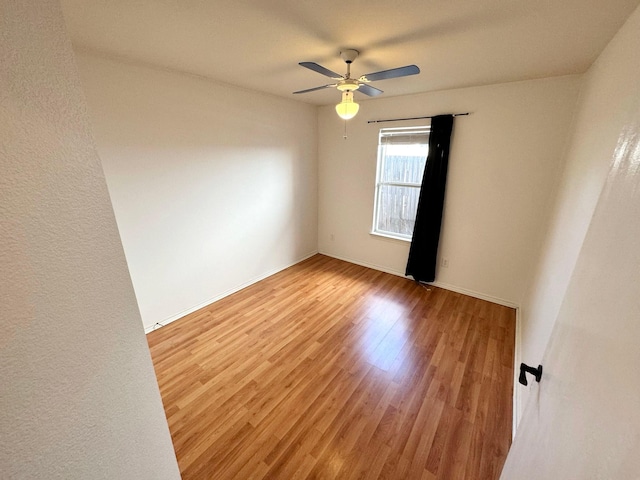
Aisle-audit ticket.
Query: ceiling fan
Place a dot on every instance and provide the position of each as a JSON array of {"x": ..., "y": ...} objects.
[{"x": 347, "y": 108}]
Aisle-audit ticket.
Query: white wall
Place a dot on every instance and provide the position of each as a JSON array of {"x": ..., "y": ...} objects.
[
  {"x": 78, "y": 395},
  {"x": 582, "y": 420},
  {"x": 610, "y": 93},
  {"x": 505, "y": 160},
  {"x": 214, "y": 187}
]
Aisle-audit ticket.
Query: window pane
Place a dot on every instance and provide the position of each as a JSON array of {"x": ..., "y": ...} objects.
[
  {"x": 404, "y": 163},
  {"x": 402, "y": 156},
  {"x": 397, "y": 209}
]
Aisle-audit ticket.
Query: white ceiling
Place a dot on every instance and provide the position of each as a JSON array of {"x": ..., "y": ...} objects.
[{"x": 257, "y": 44}]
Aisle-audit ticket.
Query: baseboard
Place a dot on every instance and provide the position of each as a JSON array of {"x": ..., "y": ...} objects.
[
  {"x": 474, "y": 294},
  {"x": 226, "y": 293},
  {"x": 517, "y": 356},
  {"x": 445, "y": 286},
  {"x": 365, "y": 264}
]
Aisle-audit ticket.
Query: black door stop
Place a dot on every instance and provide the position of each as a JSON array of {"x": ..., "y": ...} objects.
[{"x": 524, "y": 369}]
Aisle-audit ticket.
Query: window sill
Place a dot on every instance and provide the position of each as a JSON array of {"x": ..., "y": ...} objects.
[{"x": 391, "y": 237}]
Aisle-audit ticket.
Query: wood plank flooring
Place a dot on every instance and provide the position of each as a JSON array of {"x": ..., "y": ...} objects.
[{"x": 335, "y": 371}]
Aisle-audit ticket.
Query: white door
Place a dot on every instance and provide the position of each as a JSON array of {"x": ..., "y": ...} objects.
[{"x": 584, "y": 422}]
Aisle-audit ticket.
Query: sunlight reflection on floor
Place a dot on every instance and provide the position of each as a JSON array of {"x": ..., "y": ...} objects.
[{"x": 384, "y": 332}]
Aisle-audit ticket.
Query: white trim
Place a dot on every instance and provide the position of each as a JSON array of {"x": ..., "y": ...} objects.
[
  {"x": 231, "y": 291},
  {"x": 390, "y": 236},
  {"x": 368, "y": 265},
  {"x": 445, "y": 286},
  {"x": 517, "y": 355},
  {"x": 474, "y": 294}
]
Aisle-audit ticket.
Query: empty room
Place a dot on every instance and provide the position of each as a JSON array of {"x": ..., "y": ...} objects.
[{"x": 288, "y": 240}]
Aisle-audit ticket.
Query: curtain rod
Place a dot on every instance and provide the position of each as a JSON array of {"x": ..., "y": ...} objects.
[{"x": 414, "y": 118}]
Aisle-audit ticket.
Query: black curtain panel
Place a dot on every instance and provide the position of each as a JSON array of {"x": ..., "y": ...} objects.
[{"x": 426, "y": 232}]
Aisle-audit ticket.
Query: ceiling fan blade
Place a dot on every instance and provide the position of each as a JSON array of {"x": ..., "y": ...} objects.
[
  {"x": 369, "y": 90},
  {"x": 320, "y": 69},
  {"x": 393, "y": 73},
  {"x": 315, "y": 88}
]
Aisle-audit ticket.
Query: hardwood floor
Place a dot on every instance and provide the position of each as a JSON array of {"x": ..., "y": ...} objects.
[{"x": 331, "y": 370}]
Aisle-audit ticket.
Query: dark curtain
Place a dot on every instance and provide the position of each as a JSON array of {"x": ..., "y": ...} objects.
[{"x": 426, "y": 232}]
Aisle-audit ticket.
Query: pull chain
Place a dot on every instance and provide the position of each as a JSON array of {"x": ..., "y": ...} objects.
[{"x": 345, "y": 130}]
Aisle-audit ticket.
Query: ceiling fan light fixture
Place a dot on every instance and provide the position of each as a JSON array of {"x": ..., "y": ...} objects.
[{"x": 347, "y": 108}]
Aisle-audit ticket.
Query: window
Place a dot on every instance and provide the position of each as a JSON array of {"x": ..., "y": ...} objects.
[{"x": 402, "y": 155}]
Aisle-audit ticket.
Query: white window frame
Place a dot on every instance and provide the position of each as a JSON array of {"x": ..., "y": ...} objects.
[{"x": 418, "y": 131}]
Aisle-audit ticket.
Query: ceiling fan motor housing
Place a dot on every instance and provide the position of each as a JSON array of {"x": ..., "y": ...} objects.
[
  {"x": 349, "y": 55},
  {"x": 346, "y": 84}
]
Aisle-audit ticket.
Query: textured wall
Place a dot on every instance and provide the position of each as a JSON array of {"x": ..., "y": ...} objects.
[{"x": 78, "y": 396}]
